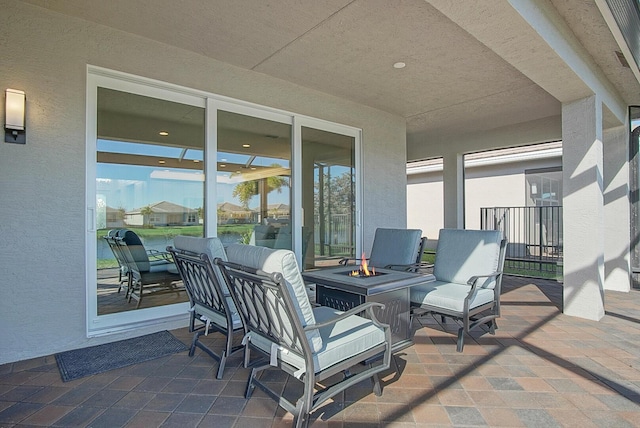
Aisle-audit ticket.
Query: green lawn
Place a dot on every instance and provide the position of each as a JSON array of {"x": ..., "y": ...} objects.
[
  {"x": 172, "y": 231},
  {"x": 169, "y": 232},
  {"x": 551, "y": 271}
]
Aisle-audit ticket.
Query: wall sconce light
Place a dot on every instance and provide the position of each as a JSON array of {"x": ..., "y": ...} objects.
[{"x": 14, "y": 129}]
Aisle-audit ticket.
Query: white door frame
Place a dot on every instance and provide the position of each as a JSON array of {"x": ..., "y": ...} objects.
[{"x": 176, "y": 314}]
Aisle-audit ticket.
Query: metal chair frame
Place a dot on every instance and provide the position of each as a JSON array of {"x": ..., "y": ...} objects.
[
  {"x": 471, "y": 318},
  {"x": 409, "y": 267},
  {"x": 203, "y": 288},
  {"x": 267, "y": 310},
  {"x": 138, "y": 279},
  {"x": 123, "y": 267}
]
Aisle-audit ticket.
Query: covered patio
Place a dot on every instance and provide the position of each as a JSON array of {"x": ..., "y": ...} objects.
[
  {"x": 399, "y": 81},
  {"x": 542, "y": 369}
]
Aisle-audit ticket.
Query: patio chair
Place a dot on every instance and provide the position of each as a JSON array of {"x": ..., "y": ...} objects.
[
  {"x": 211, "y": 303},
  {"x": 468, "y": 271},
  {"x": 309, "y": 343},
  {"x": 123, "y": 270},
  {"x": 399, "y": 249},
  {"x": 158, "y": 275}
]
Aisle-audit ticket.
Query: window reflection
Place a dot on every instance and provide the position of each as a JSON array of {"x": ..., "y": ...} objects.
[
  {"x": 149, "y": 179},
  {"x": 254, "y": 181}
]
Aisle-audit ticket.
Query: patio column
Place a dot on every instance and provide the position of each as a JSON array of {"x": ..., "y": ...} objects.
[
  {"x": 453, "y": 189},
  {"x": 617, "y": 256},
  {"x": 583, "y": 208}
]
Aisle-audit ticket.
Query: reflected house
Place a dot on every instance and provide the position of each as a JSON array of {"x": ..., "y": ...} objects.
[
  {"x": 279, "y": 211},
  {"x": 161, "y": 214},
  {"x": 115, "y": 217},
  {"x": 232, "y": 213}
]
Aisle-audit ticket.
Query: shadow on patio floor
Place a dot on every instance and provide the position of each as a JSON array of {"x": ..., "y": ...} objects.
[{"x": 542, "y": 368}]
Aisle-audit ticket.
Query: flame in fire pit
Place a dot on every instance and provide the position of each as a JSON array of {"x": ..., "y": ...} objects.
[{"x": 364, "y": 269}]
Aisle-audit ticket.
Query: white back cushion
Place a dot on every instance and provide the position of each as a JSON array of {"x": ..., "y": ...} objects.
[
  {"x": 212, "y": 247},
  {"x": 463, "y": 253},
  {"x": 395, "y": 247},
  {"x": 283, "y": 261}
]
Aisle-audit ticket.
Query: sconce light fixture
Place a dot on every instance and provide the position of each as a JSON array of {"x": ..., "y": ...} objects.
[{"x": 14, "y": 128}]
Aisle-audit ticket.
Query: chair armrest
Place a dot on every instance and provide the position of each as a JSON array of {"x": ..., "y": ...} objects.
[
  {"x": 413, "y": 267},
  {"x": 345, "y": 261},
  {"x": 368, "y": 306},
  {"x": 472, "y": 281},
  {"x": 160, "y": 255},
  {"x": 422, "y": 266}
]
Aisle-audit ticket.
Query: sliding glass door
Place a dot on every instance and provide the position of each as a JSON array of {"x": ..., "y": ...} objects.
[
  {"x": 165, "y": 161},
  {"x": 253, "y": 180},
  {"x": 328, "y": 197},
  {"x": 149, "y": 180}
]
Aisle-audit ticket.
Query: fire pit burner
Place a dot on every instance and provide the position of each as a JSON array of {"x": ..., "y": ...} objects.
[{"x": 361, "y": 274}]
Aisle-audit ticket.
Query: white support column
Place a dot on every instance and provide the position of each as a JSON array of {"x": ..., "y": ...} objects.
[
  {"x": 453, "y": 183},
  {"x": 583, "y": 208},
  {"x": 617, "y": 239}
]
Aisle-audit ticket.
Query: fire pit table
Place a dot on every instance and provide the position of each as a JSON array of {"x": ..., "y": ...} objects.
[{"x": 337, "y": 289}]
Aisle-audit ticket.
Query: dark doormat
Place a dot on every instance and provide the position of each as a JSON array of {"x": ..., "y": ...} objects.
[{"x": 101, "y": 358}]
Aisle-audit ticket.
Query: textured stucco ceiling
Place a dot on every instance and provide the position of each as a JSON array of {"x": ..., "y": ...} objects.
[{"x": 471, "y": 66}]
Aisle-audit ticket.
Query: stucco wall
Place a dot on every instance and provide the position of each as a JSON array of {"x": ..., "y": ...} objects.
[
  {"x": 425, "y": 211},
  {"x": 42, "y": 310},
  {"x": 498, "y": 185}
]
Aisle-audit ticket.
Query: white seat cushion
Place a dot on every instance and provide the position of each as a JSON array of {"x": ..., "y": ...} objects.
[
  {"x": 449, "y": 295},
  {"x": 342, "y": 340},
  {"x": 284, "y": 262}
]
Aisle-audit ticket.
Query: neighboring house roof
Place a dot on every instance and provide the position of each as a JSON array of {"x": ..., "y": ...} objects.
[
  {"x": 278, "y": 207},
  {"x": 113, "y": 210},
  {"x": 163, "y": 207},
  {"x": 233, "y": 208},
  {"x": 490, "y": 157}
]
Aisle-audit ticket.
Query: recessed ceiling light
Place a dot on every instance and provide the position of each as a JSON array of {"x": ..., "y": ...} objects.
[
  {"x": 163, "y": 133},
  {"x": 161, "y": 162},
  {"x": 399, "y": 65},
  {"x": 222, "y": 165},
  {"x": 196, "y": 161},
  {"x": 246, "y": 145}
]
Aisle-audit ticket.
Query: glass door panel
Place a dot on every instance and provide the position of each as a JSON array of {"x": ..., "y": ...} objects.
[
  {"x": 253, "y": 181},
  {"x": 150, "y": 180},
  {"x": 328, "y": 197}
]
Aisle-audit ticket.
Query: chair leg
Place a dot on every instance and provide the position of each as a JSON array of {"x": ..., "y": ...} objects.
[
  {"x": 250, "y": 385},
  {"x": 298, "y": 418},
  {"x": 194, "y": 341},
  {"x": 460, "y": 339},
  {"x": 304, "y": 404},
  {"x": 128, "y": 290},
  {"x": 223, "y": 360},
  {"x": 493, "y": 326},
  {"x": 377, "y": 387},
  {"x": 139, "y": 297},
  {"x": 192, "y": 321},
  {"x": 247, "y": 356}
]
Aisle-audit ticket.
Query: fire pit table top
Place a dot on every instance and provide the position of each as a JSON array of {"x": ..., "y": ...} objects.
[{"x": 384, "y": 280}]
